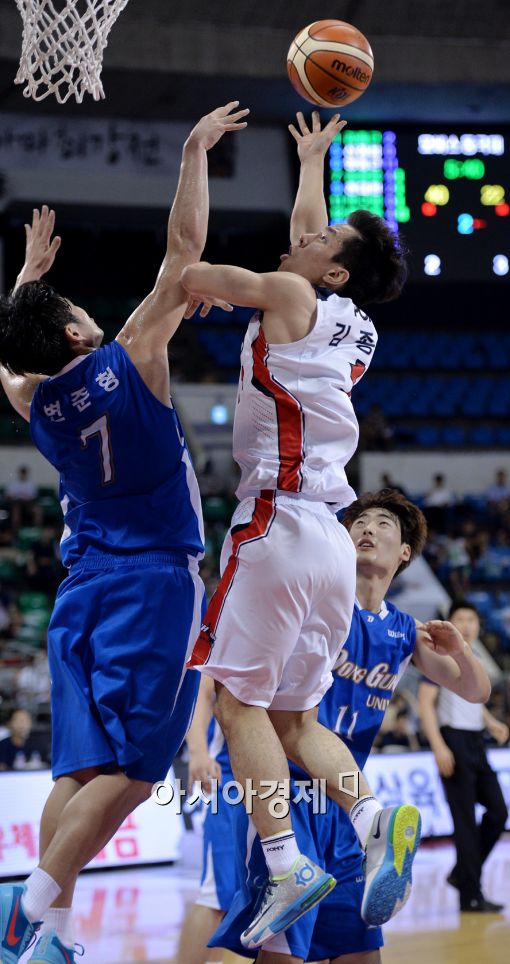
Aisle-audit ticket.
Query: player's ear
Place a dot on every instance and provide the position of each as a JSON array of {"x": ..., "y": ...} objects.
[
  {"x": 405, "y": 552},
  {"x": 336, "y": 276},
  {"x": 73, "y": 335}
]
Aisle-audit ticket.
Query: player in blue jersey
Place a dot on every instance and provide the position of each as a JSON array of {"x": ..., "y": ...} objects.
[
  {"x": 387, "y": 531},
  {"x": 209, "y": 761},
  {"x": 128, "y": 614}
]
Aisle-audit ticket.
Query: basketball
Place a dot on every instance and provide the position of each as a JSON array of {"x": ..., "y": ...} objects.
[{"x": 330, "y": 63}]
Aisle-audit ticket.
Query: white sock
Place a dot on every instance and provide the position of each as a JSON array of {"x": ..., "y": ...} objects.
[
  {"x": 362, "y": 816},
  {"x": 280, "y": 851},
  {"x": 60, "y": 920},
  {"x": 40, "y": 894}
]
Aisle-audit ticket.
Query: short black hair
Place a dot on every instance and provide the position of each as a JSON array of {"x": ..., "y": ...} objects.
[
  {"x": 462, "y": 604},
  {"x": 413, "y": 525},
  {"x": 375, "y": 259},
  {"x": 33, "y": 319}
]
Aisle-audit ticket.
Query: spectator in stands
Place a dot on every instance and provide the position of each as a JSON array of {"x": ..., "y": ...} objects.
[
  {"x": 437, "y": 503},
  {"x": 498, "y": 494},
  {"x": 21, "y": 494},
  {"x": 5, "y": 620},
  {"x": 458, "y": 564},
  {"x": 33, "y": 683},
  {"x": 439, "y": 495},
  {"x": 467, "y": 621},
  {"x": 388, "y": 483},
  {"x": 454, "y": 729},
  {"x": 399, "y": 727},
  {"x": 44, "y": 569},
  {"x": 15, "y": 618},
  {"x": 17, "y": 751},
  {"x": 376, "y": 433},
  {"x": 401, "y": 736}
]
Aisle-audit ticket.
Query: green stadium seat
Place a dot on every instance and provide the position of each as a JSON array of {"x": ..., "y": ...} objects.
[
  {"x": 48, "y": 502},
  {"x": 37, "y": 619},
  {"x": 33, "y": 601},
  {"x": 216, "y": 507},
  {"x": 10, "y": 573},
  {"x": 30, "y": 634},
  {"x": 26, "y": 536}
]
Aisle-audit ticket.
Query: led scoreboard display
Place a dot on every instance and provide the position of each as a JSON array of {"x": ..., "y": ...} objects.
[{"x": 448, "y": 193}]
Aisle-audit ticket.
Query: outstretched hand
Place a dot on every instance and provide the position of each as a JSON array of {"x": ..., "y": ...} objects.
[
  {"x": 213, "y": 126},
  {"x": 195, "y": 303},
  {"x": 317, "y": 140},
  {"x": 443, "y": 638},
  {"x": 41, "y": 248}
]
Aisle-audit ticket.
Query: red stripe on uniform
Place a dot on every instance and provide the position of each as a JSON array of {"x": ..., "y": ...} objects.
[
  {"x": 289, "y": 418},
  {"x": 257, "y": 528}
]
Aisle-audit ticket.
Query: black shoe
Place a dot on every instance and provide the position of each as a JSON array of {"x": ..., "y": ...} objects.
[
  {"x": 452, "y": 879},
  {"x": 480, "y": 905}
]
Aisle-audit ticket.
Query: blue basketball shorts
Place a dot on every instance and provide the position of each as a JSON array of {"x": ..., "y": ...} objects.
[
  {"x": 218, "y": 883},
  {"x": 118, "y": 641},
  {"x": 332, "y": 928}
]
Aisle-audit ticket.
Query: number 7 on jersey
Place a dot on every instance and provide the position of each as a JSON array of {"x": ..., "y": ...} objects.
[{"x": 101, "y": 429}]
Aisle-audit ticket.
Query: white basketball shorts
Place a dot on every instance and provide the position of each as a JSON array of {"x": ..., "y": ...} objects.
[{"x": 282, "y": 610}]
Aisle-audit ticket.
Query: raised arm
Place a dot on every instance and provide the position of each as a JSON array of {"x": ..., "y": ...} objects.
[
  {"x": 40, "y": 251},
  {"x": 310, "y": 213},
  {"x": 151, "y": 326},
  {"x": 443, "y": 656},
  {"x": 287, "y": 300}
]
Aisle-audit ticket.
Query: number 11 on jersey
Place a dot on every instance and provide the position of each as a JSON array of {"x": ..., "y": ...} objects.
[{"x": 342, "y": 710}]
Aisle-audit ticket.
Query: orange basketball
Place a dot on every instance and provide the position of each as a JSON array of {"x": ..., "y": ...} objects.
[{"x": 330, "y": 63}]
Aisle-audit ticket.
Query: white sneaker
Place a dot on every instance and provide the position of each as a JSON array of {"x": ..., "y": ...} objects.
[
  {"x": 285, "y": 899},
  {"x": 390, "y": 851}
]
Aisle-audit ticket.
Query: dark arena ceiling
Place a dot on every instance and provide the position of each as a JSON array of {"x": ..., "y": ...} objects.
[{"x": 171, "y": 59}]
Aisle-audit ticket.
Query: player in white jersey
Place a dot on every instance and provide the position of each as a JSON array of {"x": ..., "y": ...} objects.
[{"x": 283, "y": 607}]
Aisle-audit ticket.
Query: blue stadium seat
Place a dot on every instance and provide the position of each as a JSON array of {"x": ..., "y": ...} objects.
[
  {"x": 482, "y": 435},
  {"x": 484, "y": 602},
  {"x": 427, "y": 435},
  {"x": 453, "y": 435}
]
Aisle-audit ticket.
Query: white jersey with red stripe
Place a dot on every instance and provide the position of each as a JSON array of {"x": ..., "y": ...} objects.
[{"x": 295, "y": 427}]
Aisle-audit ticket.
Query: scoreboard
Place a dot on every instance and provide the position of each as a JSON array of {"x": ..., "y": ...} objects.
[{"x": 446, "y": 191}]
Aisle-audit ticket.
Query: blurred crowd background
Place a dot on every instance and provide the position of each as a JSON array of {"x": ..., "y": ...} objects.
[
  {"x": 433, "y": 409},
  {"x": 468, "y": 550}
]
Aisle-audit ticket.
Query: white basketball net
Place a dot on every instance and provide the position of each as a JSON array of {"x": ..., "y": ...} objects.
[{"x": 62, "y": 50}]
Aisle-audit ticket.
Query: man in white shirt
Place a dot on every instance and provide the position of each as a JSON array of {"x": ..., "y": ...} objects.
[
  {"x": 454, "y": 729},
  {"x": 499, "y": 491},
  {"x": 21, "y": 493}
]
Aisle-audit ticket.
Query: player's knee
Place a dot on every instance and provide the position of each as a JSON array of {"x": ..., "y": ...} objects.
[{"x": 291, "y": 728}]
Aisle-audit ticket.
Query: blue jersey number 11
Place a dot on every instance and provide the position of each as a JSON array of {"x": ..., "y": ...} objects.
[{"x": 342, "y": 710}]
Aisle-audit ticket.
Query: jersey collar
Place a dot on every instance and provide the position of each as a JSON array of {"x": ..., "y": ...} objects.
[
  {"x": 383, "y": 612},
  {"x": 67, "y": 368}
]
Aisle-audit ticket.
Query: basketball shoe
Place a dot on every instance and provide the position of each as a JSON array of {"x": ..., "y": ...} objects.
[
  {"x": 284, "y": 899},
  {"x": 16, "y": 931},
  {"x": 390, "y": 850},
  {"x": 50, "y": 950}
]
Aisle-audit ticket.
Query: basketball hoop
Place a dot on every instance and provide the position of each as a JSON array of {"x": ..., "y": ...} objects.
[{"x": 62, "y": 50}]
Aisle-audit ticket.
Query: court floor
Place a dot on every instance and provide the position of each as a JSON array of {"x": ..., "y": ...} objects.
[{"x": 136, "y": 915}]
